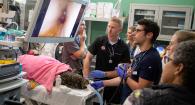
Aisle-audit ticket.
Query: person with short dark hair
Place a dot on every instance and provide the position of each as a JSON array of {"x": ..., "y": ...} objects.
[
  {"x": 150, "y": 27},
  {"x": 176, "y": 86}
]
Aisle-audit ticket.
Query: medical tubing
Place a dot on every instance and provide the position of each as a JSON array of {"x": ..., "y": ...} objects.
[
  {"x": 58, "y": 81},
  {"x": 123, "y": 79},
  {"x": 98, "y": 95},
  {"x": 120, "y": 84},
  {"x": 118, "y": 87}
]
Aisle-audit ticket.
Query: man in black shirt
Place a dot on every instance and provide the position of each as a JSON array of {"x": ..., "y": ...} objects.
[{"x": 110, "y": 50}]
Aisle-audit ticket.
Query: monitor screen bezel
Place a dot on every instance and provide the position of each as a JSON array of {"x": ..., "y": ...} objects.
[{"x": 37, "y": 10}]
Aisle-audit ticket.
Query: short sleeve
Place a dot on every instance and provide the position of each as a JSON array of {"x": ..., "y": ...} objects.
[
  {"x": 94, "y": 47},
  {"x": 71, "y": 47},
  {"x": 151, "y": 68}
]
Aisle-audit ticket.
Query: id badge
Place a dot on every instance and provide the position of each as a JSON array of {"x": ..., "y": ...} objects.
[
  {"x": 110, "y": 61},
  {"x": 134, "y": 72}
]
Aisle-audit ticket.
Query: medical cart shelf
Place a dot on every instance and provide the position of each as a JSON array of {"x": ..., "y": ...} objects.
[
  {"x": 11, "y": 43},
  {"x": 12, "y": 85},
  {"x": 14, "y": 77}
]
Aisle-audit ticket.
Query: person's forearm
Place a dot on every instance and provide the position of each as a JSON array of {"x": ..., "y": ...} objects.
[
  {"x": 111, "y": 74},
  {"x": 82, "y": 50},
  {"x": 112, "y": 82},
  {"x": 141, "y": 83},
  {"x": 81, "y": 53},
  {"x": 132, "y": 84},
  {"x": 86, "y": 67}
]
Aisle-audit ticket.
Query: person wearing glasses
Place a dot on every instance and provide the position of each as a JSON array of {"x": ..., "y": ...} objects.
[
  {"x": 146, "y": 67},
  {"x": 110, "y": 50},
  {"x": 176, "y": 86},
  {"x": 178, "y": 36}
]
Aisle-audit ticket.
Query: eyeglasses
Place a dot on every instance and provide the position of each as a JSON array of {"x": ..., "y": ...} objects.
[
  {"x": 167, "y": 59},
  {"x": 138, "y": 30}
]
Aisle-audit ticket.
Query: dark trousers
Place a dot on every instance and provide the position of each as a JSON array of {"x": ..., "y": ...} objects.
[
  {"x": 125, "y": 92},
  {"x": 112, "y": 95}
]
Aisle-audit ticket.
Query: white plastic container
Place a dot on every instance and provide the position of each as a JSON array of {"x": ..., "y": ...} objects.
[{"x": 58, "y": 81}]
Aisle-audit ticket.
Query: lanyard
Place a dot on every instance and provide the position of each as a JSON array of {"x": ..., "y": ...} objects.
[
  {"x": 111, "y": 51},
  {"x": 136, "y": 63},
  {"x": 111, "y": 54}
]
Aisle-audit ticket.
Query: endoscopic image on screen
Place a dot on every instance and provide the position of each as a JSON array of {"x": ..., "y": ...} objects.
[{"x": 56, "y": 19}]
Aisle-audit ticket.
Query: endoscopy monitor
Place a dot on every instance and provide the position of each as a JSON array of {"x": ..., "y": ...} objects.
[{"x": 55, "y": 21}]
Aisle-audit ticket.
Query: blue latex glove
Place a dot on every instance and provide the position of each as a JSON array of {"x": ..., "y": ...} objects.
[
  {"x": 97, "y": 84},
  {"x": 122, "y": 72},
  {"x": 97, "y": 74}
]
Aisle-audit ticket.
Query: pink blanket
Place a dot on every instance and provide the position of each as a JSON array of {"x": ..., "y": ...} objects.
[{"x": 42, "y": 69}]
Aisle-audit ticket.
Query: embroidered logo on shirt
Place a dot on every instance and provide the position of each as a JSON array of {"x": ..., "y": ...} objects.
[
  {"x": 103, "y": 48},
  {"x": 134, "y": 72}
]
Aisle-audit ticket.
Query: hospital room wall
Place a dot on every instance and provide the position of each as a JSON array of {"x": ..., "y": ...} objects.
[{"x": 99, "y": 28}]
